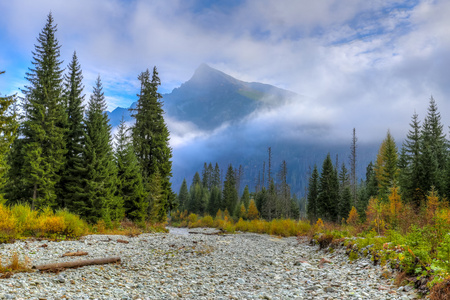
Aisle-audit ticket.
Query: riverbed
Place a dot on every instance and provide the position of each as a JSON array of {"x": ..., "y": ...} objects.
[{"x": 202, "y": 265}]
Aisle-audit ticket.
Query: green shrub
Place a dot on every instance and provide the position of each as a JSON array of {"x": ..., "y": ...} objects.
[
  {"x": 74, "y": 225},
  {"x": 26, "y": 219},
  {"x": 207, "y": 221}
]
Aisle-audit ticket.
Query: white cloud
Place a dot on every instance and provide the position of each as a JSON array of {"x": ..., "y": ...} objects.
[{"x": 369, "y": 63}]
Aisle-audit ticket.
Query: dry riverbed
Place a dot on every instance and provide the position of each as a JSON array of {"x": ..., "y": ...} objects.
[{"x": 197, "y": 266}]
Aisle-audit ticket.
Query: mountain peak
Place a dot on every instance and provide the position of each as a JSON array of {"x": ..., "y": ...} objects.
[
  {"x": 206, "y": 75},
  {"x": 204, "y": 68}
]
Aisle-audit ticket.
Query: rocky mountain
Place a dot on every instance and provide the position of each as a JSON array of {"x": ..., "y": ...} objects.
[
  {"x": 214, "y": 117},
  {"x": 211, "y": 98}
]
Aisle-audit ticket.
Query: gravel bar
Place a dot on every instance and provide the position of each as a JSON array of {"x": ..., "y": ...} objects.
[{"x": 183, "y": 265}]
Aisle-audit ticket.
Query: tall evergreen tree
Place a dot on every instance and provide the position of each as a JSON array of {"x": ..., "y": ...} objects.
[
  {"x": 239, "y": 173},
  {"x": 70, "y": 185},
  {"x": 130, "y": 186},
  {"x": 183, "y": 196},
  {"x": 313, "y": 194},
  {"x": 344, "y": 178},
  {"x": 368, "y": 189},
  {"x": 196, "y": 198},
  {"x": 386, "y": 169},
  {"x": 327, "y": 200},
  {"x": 245, "y": 199},
  {"x": 196, "y": 179},
  {"x": 433, "y": 151},
  {"x": 269, "y": 210},
  {"x": 45, "y": 117},
  {"x": 345, "y": 204},
  {"x": 206, "y": 176},
  {"x": 371, "y": 181},
  {"x": 197, "y": 202},
  {"x": 230, "y": 196},
  {"x": 261, "y": 200},
  {"x": 151, "y": 136},
  {"x": 410, "y": 174},
  {"x": 216, "y": 176},
  {"x": 99, "y": 200},
  {"x": 211, "y": 175}
]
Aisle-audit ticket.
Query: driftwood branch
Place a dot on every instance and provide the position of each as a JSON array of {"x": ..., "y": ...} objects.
[
  {"x": 77, "y": 263},
  {"x": 78, "y": 253}
]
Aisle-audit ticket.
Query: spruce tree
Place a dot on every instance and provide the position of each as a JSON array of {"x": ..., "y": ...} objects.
[
  {"x": 245, "y": 199},
  {"x": 8, "y": 130},
  {"x": 345, "y": 204},
  {"x": 230, "y": 196},
  {"x": 269, "y": 210},
  {"x": 328, "y": 192},
  {"x": 261, "y": 200},
  {"x": 344, "y": 177},
  {"x": 99, "y": 200},
  {"x": 211, "y": 174},
  {"x": 313, "y": 193},
  {"x": 151, "y": 137},
  {"x": 45, "y": 117},
  {"x": 130, "y": 186},
  {"x": 386, "y": 169},
  {"x": 183, "y": 196},
  {"x": 196, "y": 179},
  {"x": 433, "y": 151},
  {"x": 207, "y": 176},
  {"x": 216, "y": 181},
  {"x": 70, "y": 185},
  {"x": 410, "y": 164},
  {"x": 371, "y": 182}
]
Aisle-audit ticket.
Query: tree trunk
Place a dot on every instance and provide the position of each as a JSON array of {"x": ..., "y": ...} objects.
[{"x": 77, "y": 263}]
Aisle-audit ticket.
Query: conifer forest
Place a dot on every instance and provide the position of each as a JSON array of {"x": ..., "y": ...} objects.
[{"x": 58, "y": 151}]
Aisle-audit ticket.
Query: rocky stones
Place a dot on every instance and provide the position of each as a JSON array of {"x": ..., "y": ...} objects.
[{"x": 198, "y": 266}]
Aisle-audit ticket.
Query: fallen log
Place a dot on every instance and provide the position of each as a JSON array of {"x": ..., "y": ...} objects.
[
  {"x": 122, "y": 241},
  {"x": 219, "y": 232},
  {"x": 78, "y": 253},
  {"x": 77, "y": 263}
]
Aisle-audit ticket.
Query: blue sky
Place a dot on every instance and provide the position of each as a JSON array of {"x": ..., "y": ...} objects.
[{"x": 364, "y": 64}]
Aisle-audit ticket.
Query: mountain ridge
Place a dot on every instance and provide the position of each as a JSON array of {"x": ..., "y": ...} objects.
[{"x": 211, "y": 97}]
